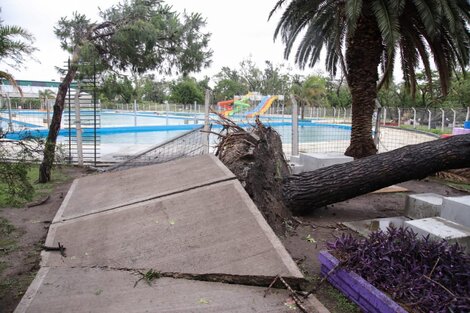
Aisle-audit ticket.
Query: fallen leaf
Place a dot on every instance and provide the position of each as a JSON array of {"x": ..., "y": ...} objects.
[
  {"x": 203, "y": 301},
  {"x": 310, "y": 239}
]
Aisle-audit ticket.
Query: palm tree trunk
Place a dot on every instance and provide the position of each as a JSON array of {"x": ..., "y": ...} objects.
[
  {"x": 363, "y": 53},
  {"x": 49, "y": 149}
]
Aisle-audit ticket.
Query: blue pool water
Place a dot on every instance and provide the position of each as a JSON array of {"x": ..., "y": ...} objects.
[{"x": 120, "y": 128}]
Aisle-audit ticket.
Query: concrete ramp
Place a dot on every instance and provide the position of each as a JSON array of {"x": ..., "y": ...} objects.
[
  {"x": 188, "y": 216},
  {"x": 97, "y": 193}
]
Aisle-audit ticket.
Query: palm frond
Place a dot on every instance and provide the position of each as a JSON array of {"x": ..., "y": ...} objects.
[
  {"x": 7, "y": 76},
  {"x": 353, "y": 11}
]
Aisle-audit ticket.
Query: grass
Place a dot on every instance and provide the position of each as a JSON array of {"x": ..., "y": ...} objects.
[
  {"x": 459, "y": 186},
  {"x": 7, "y": 237},
  {"x": 331, "y": 297},
  {"x": 15, "y": 287},
  {"x": 342, "y": 303},
  {"x": 436, "y": 131},
  {"x": 40, "y": 190}
]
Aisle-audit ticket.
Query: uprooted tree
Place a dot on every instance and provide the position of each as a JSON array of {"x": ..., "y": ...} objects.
[
  {"x": 256, "y": 158},
  {"x": 136, "y": 35}
]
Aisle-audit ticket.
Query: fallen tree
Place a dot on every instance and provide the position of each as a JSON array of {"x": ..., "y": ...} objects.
[
  {"x": 256, "y": 158},
  {"x": 310, "y": 190}
]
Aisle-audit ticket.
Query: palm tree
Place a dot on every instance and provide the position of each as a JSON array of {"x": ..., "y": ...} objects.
[
  {"x": 45, "y": 95},
  {"x": 309, "y": 92},
  {"x": 373, "y": 33}
]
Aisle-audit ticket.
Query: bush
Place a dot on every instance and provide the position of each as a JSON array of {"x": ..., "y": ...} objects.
[{"x": 422, "y": 275}]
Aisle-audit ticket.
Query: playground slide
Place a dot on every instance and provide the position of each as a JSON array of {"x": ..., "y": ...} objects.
[{"x": 262, "y": 107}]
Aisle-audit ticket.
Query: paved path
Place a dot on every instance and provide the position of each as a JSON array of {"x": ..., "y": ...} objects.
[{"x": 189, "y": 216}]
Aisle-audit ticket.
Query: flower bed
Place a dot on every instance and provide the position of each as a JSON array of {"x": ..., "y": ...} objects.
[
  {"x": 358, "y": 290},
  {"x": 421, "y": 275}
]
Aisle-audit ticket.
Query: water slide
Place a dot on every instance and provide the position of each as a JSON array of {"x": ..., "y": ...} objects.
[
  {"x": 226, "y": 105},
  {"x": 262, "y": 107},
  {"x": 230, "y": 106},
  {"x": 239, "y": 106}
]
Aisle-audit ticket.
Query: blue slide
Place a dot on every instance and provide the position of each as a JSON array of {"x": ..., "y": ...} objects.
[{"x": 259, "y": 106}]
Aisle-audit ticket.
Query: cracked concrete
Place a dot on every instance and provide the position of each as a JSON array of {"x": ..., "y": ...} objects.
[{"x": 190, "y": 216}]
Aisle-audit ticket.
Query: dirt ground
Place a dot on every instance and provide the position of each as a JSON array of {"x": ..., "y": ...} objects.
[
  {"x": 19, "y": 265},
  {"x": 19, "y": 261}
]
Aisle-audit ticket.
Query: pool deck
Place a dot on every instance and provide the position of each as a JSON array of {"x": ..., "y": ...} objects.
[{"x": 187, "y": 216}]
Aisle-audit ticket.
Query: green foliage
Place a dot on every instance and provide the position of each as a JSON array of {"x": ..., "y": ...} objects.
[
  {"x": 14, "y": 183},
  {"x": 140, "y": 35},
  {"x": 7, "y": 238},
  {"x": 186, "y": 91}
]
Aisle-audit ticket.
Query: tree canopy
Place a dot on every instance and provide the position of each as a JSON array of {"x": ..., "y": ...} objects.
[{"x": 134, "y": 35}]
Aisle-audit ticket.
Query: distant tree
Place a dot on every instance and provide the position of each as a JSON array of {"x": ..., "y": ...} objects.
[
  {"x": 186, "y": 91},
  {"x": 136, "y": 35},
  {"x": 45, "y": 95},
  {"x": 275, "y": 81},
  {"x": 229, "y": 83},
  {"x": 310, "y": 92}
]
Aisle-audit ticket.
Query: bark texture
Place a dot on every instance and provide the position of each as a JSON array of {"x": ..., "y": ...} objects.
[
  {"x": 49, "y": 149},
  {"x": 256, "y": 158},
  {"x": 364, "y": 49},
  {"x": 310, "y": 190}
]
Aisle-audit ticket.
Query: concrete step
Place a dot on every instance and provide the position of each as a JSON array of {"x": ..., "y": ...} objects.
[
  {"x": 457, "y": 209},
  {"x": 440, "y": 228},
  {"x": 423, "y": 205},
  {"x": 314, "y": 161},
  {"x": 296, "y": 168}
]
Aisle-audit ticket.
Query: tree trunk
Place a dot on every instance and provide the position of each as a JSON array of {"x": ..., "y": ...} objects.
[
  {"x": 363, "y": 53},
  {"x": 49, "y": 149},
  {"x": 310, "y": 190},
  {"x": 256, "y": 158}
]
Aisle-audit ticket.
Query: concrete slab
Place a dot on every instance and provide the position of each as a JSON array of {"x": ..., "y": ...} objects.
[
  {"x": 439, "y": 228},
  {"x": 212, "y": 229},
  {"x": 95, "y": 290},
  {"x": 314, "y": 161},
  {"x": 423, "y": 205},
  {"x": 365, "y": 227},
  {"x": 457, "y": 209},
  {"x": 97, "y": 193}
]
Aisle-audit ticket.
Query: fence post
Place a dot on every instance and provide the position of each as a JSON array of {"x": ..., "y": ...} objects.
[
  {"x": 467, "y": 118},
  {"x": 135, "y": 112},
  {"x": 429, "y": 119},
  {"x": 443, "y": 119},
  {"x": 455, "y": 117},
  {"x": 334, "y": 114},
  {"x": 167, "y": 109},
  {"x": 295, "y": 127},
  {"x": 78, "y": 127},
  {"x": 10, "y": 124},
  {"x": 324, "y": 112},
  {"x": 344, "y": 116},
  {"x": 385, "y": 116},
  {"x": 206, "y": 119},
  {"x": 414, "y": 117},
  {"x": 399, "y": 116}
]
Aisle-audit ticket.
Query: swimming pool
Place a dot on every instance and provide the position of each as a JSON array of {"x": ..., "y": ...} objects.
[{"x": 126, "y": 132}]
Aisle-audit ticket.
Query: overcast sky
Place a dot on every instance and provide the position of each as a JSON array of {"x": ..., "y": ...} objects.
[{"x": 240, "y": 29}]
